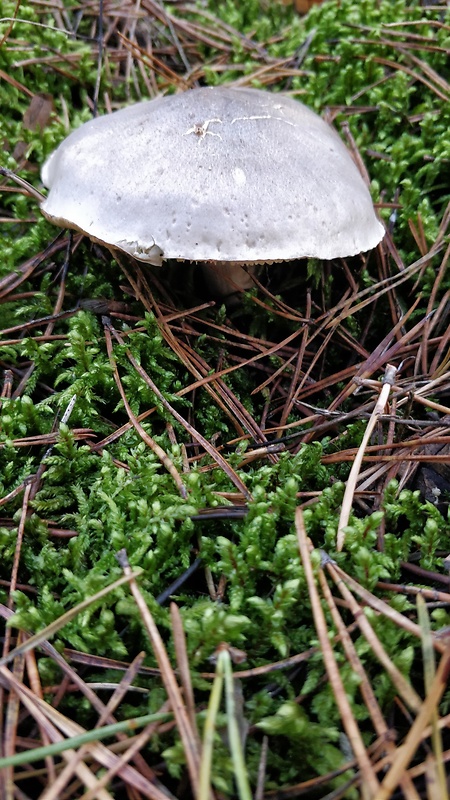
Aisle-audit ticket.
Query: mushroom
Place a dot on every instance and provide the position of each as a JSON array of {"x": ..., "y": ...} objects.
[{"x": 225, "y": 176}]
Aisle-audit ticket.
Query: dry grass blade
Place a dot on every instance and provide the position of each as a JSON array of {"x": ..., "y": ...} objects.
[
  {"x": 58, "y": 785},
  {"x": 435, "y": 763},
  {"x": 168, "y": 676},
  {"x": 406, "y": 752},
  {"x": 183, "y": 667},
  {"x": 388, "y": 382},
  {"x": 12, "y": 708},
  {"x": 11, "y": 723},
  {"x": 385, "y": 735},
  {"x": 58, "y": 726},
  {"x": 133, "y": 751},
  {"x": 379, "y": 605},
  {"x": 402, "y": 686},
  {"x": 115, "y": 765},
  {"x": 368, "y": 776},
  {"x": 40, "y": 711},
  {"x": 35, "y": 684}
]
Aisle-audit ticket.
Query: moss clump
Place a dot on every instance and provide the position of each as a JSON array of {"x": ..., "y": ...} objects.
[{"x": 102, "y": 488}]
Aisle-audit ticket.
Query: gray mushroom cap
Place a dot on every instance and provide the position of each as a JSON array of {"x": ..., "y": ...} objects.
[{"x": 221, "y": 174}]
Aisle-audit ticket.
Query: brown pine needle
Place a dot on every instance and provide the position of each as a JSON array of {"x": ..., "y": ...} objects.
[
  {"x": 406, "y": 752},
  {"x": 187, "y": 734},
  {"x": 368, "y": 775},
  {"x": 379, "y": 723}
]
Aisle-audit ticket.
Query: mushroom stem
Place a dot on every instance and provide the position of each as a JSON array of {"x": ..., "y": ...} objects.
[{"x": 225, "y": 279}]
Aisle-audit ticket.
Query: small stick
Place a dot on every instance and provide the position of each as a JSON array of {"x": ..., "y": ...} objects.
[
  {"x": 388, "y": 382},
  {"x": 8, "y": 173}
]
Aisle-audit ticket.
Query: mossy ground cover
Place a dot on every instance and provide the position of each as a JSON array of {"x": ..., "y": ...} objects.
[{"x": 281, "y": 388}]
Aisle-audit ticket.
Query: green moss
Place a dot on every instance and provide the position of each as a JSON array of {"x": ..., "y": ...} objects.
[{"x": 122, "y": 496}]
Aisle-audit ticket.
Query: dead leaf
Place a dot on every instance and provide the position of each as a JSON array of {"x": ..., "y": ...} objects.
[
  {"x": 303, "y": 6},
  {"x": 38, "y": 112},
  {"x": 36, "y": 117}
]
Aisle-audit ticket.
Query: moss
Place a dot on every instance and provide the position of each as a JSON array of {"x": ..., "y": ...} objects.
[{"x": 120, "y": 495}]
